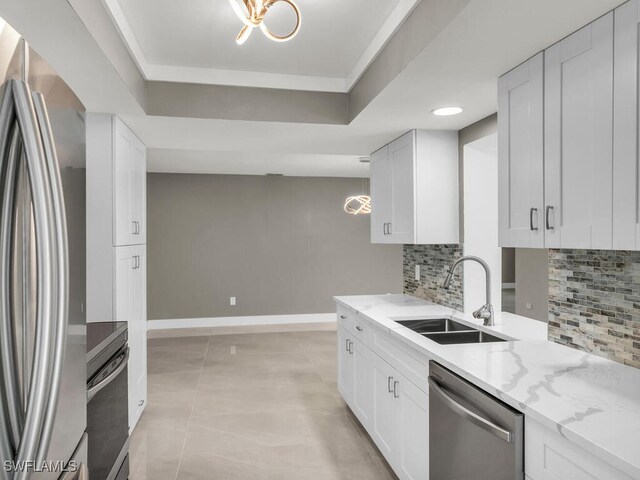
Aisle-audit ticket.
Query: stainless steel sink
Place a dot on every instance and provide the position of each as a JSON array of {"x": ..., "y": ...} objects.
[
  {"x": 473, "y": 336},
  {"x": 428, "y": 325}
]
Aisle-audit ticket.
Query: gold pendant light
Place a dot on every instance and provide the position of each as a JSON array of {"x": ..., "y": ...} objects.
[{"x": 254, "y": 17}]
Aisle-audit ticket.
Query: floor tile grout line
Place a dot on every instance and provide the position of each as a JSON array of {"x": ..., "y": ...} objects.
[{"x": 193, "y": 406}]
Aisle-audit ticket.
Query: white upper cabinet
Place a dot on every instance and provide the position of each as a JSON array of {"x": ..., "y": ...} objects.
[
  {"x": 414, "y": 189},
  {"x": 626, "y": 108},
  {"x": 521, "y": 156},
  {"x": 556, "y": 150},
  {"x": 579, "y": 138},
  {"x": 129, "y": 187},
  {"x": 380, "y": 195}
]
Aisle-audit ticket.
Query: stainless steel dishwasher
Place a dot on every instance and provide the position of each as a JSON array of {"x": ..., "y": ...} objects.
[{"x": 472, "y": 435}]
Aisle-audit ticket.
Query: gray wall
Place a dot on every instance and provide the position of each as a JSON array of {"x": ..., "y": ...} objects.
[
  {"x": 281, "y": 245},
  {"x": 508, "y": 265},
  {"x": 532, "y": 283}
]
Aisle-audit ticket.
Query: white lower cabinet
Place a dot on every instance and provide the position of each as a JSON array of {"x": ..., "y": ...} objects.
[
  {"x": 130, "y": 306},
  {"x": 345, "y": 366},
  {"x": 549, "y": 456},
  {"x": 414, "y": 432},
  {"x": 386, "y": 422},
  {"x": 393, "y": 410},
  {"x": 362, "y": 358}
]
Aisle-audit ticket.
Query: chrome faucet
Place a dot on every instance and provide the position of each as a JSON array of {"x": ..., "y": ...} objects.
[{"x": 485, "y": 312}]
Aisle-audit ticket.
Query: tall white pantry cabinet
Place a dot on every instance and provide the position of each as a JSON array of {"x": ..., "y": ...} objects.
[{"x": 116, "y": 241}]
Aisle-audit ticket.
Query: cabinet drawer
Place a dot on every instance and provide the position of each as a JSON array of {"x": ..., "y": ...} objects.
[
  {"x": 414, "y": 368},
  {"x": 345, "y": 318},
  {"x": 355, "y": 324},
  {"x": 362, "y": 329},
  {"x": 548, "y": 456}
]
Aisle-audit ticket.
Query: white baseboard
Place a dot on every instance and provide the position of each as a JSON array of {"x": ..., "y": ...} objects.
[
  {"x": 240, "y": 321},
  {"x": 508, "y": 285}
]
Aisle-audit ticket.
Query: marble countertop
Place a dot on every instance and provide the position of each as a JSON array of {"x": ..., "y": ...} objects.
[{"x": 591, "y": 401}]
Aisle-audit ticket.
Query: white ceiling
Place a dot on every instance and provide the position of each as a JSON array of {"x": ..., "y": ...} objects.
[{"x": 194, "y": 41}]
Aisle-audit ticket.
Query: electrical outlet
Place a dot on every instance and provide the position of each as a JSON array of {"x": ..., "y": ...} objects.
[
  {"x": 232, "y": 301},
  {"x": 417, "y": 274},
  {"x": 528, "y": 306}
]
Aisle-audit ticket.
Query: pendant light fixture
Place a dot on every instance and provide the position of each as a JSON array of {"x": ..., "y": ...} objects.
[
  {"x": 253, "y": 16},
  {"x": 359, "y": 204}
]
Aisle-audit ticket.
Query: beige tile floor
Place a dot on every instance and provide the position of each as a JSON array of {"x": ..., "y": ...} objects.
[{"x": 249, "y": 406}]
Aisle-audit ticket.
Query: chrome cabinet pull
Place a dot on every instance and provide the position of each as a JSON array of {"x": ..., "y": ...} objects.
[
  {"x": 532, "y": 210},
  {"x": 346, "y": 345},
  {"x": 385, "y": 230},
  {"x": 549, "y": 209},
  {"x": 141, "y": 403},
  {"x": 464, "y": 412},
  {"x": 343, "y": 317},
  {"x": 359, "y": 328},
  {"x": 389, "y": 380},
  {"x": 395, "y": 389},
  {"x": 389, "y": 230},
  {"x": 350, "y": 349}
]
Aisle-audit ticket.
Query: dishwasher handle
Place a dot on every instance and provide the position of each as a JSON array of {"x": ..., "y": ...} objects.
[{"x": 474, "y": 418}]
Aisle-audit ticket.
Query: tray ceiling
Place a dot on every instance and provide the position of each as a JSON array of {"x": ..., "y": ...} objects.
[{"x": 194, "y": 41}]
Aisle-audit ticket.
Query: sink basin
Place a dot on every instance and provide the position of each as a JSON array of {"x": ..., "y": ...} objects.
[
  {"x": 474, "y": 336},
  {"x": 429, "y": 325}
]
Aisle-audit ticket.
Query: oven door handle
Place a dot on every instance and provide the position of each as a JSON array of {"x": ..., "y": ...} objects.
[
  {"x": 464, "y": 412},
  {"x": 122, "y": 364}
]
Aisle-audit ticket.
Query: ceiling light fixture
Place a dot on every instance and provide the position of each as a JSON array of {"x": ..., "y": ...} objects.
[
  {"x": 359, "y": 204},
  {"x": 446, "y": 111},
  {"x": 254, "y": 15}
]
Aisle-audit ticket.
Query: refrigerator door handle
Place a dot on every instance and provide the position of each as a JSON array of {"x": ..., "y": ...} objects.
[
  {"x": 10, "y": 406},
  {"x": 61, "y": 261},
  {"x": 39, "y": 390}
]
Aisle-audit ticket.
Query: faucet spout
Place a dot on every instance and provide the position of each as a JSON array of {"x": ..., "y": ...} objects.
[{"x": 486, "y": 311}]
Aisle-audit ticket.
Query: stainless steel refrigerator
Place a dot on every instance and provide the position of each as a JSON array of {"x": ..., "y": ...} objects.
[{"x": 42, "y": 269}]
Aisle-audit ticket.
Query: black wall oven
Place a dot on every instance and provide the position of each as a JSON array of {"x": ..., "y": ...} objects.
[{"x": 108, "y": 404}]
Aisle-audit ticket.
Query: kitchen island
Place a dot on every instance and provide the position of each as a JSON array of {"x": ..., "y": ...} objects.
[{"x": 582, "y": 412}]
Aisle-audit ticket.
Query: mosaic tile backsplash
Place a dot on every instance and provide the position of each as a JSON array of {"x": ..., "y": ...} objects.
[
  {"x": 434, "y": 261},
  {"x": 594, "y": 302}
]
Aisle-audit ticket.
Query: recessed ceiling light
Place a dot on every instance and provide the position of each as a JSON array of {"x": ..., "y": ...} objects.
[{"x": 446, "y": 111}]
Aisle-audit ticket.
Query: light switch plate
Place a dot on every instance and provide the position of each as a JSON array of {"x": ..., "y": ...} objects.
[
  {"x": 232, "y": 301},
  {"x": 528, "y": 306}
]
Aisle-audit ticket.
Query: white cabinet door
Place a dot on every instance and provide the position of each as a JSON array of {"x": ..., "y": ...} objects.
[
  {"x": 579, "y": 137},
  {"x": 402, "y": 152},
  {"x": 380, "y": 187},
  {"x": 138, "y": 336},
  {"x": 130, "y": 306},
  {"x": 138, "y": 191},
  {"x": 385, "y": 430},
  {"x": 362, "y": 382},
  {"x": 123, "y": 226},
  {"x": 520, "y": 155},
  {"x": 413, "y": 461},
  {"x": 626, "y": 107},
  {"x": 345, "y": 365}
]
